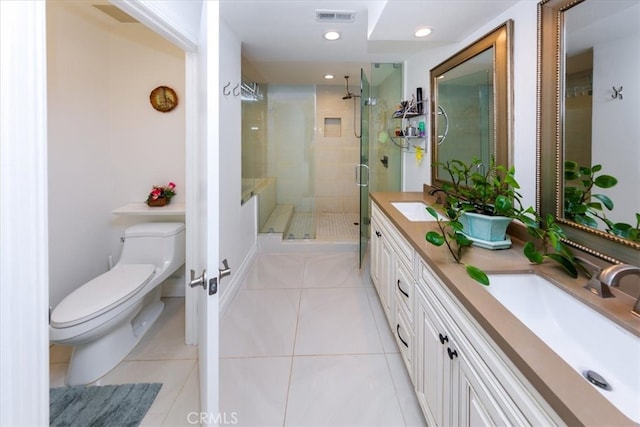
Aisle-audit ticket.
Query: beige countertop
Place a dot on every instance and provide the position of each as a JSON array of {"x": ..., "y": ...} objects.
[{"x": 566, "y": 391}]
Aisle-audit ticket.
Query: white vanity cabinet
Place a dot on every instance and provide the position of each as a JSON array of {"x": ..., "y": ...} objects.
[
  {"x": 454, "y": 385},
  {"x": 460, "y": 375},
  {"x": 381, "y": 263},
  {"x": 393, "y": 274}
]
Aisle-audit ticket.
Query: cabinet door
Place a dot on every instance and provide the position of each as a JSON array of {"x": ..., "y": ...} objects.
[
  {"x": 387, "y": 278},
  {"x": 474, "y": 404},
  {"x": 375, "y": 244},
  {"x": 430, "y": 366}
]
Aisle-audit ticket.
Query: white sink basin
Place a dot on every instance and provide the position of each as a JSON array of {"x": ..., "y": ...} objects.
[
  {"x": 584, "y": 338},
  {"x": 414, "y": 211}
]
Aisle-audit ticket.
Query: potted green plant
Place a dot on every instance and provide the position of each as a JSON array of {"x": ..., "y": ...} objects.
[
  {"x": 487, "y": 198},
  {"x": 584, "y": 206},
  {"x": 494, "y": 193}
]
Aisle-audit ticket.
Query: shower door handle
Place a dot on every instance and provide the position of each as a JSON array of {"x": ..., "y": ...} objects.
[{"x": 359, "y": 182}]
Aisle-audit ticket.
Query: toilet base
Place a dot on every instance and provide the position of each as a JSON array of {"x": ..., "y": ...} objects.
[{"x": 94, "y": 359}]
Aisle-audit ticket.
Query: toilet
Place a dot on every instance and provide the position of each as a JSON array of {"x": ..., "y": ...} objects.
[{"x": 106, "y": 317}]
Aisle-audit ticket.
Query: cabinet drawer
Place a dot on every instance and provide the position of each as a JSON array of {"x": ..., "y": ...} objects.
[
  {"x": 404, "y": 337},
  {"x": 404, "y": 290},
  {"x": 403, "y": 249}
]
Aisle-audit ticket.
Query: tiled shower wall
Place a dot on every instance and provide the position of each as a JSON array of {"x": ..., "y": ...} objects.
[{"x": 337, "y": 150}]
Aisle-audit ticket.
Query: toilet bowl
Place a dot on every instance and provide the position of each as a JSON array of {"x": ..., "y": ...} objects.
[{"x": 106, "y": 317}]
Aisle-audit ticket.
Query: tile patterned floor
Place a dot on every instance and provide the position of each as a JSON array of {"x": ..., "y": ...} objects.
[
  {"x": 324, "y": 226},
  {"x": 304, "y": 343},
  {"x": 161, "y": 356}
]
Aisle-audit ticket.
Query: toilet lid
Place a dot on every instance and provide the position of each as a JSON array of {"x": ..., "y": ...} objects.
[{"x": 101, "y": 294}]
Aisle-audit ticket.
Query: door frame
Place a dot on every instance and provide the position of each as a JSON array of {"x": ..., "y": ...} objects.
[{"x": 24, "y": 255}]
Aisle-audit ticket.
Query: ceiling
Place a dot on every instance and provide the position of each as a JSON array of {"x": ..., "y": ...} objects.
[{"x": 282, "y": 40}]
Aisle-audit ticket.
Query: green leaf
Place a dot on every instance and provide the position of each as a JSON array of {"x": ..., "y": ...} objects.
[
  {"x": 570, "y": 165},
  {"x": 605, "y": 181},
  {"x": 566, "y": 263},
  {"x": 434, "y": 238},
  {"x": 586, "y": 220},
  {"x": 462, "y": 240},
  {"x": 606, "y": 201},
  {"x": 585, "y": 170},
  {"x": 532, "y": 254},
  {"x": 596, "y": 168},
  {"x": 570, "y": 175},
  {"x": 502, "y": 204},
  {"x": 432, "y": 212},
  {"x": 478, "y": 275}
]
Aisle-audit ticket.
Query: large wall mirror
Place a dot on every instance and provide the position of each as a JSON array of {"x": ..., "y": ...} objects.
[
  {"x": 589, "y": 127},
  {"x": 471, "y": 104}
]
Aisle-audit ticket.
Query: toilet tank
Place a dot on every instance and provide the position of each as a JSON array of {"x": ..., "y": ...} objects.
[{"x": 159, "y": 243}]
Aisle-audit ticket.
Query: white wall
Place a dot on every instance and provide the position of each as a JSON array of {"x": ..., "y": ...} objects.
[
  {"x": 107, "y": 146},
  {"x": 524, "y": 15},
  {"x": 238, "y": 223},
  {"x": 616, "y": 128}
]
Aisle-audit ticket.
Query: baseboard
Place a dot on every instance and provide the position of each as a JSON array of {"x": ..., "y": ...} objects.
[
  {"x": 274, "y": 243},
  {"x": 237, "y": 280}
]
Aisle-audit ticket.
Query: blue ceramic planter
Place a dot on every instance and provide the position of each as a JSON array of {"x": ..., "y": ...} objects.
[{"x": 485, "y": 227}]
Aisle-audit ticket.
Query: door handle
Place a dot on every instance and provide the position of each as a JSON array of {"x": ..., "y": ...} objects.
[
  {"x": 213, "y": 283},
  {"x": 224, "y": 272},
  {"x": 359, "y": 182},
  {"x": 198, "y": 281}
]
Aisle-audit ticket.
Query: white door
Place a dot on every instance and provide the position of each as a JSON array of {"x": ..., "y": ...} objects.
[
  {"x": 206, "y": 219},
  {"x": 194, "y": 26}
]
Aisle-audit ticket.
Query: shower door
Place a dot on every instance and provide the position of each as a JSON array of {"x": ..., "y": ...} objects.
[{"x": 363, "y": 183}]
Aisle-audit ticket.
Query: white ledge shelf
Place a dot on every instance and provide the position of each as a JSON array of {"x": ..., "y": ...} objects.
[{"x": 172, "y": 209}]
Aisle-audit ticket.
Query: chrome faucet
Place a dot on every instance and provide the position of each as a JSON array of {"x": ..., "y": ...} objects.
[{"x": 611, "y": 276}]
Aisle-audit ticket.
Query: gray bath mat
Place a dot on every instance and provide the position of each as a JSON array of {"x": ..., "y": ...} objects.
[{"x": 109, "y": 405}]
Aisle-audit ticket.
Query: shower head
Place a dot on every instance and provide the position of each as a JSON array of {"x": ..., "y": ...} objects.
[{"x": 349, "y": 95}]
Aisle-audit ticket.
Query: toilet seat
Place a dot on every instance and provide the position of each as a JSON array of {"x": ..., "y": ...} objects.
[{"x": 101, "y": 294}]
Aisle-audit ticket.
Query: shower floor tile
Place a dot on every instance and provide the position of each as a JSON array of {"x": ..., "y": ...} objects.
[{"x": 332, "y": 226}]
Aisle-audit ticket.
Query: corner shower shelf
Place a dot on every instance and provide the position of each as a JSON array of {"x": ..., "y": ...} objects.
[{"x": 172, "y": 209}]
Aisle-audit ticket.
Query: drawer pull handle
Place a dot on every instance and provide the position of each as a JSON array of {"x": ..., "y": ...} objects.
[
  {"x": 401, "y": 290},
  {"x": 452, "y": 353},
  {"x": 403, "y": 341},
  {"x": 443, "y": 338},
  {"x": 379, "y": 234}
]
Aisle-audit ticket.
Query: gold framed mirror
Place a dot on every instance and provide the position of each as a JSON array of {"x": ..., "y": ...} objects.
[
  {"x": 576, "y": 59},
  {"x": 471, "y": 104}
]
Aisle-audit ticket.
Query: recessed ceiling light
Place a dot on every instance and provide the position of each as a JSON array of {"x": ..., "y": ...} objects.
[
  {"x": 422, "y": 32},
  {"x": 329, "y": 76},
  {"x": 332, "y": 35}
]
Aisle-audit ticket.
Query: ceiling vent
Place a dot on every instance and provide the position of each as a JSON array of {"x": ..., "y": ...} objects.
[{"x": 335, "y": 16}]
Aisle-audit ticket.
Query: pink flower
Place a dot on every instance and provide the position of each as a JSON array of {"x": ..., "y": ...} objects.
[{"x": 162, "y": 192}]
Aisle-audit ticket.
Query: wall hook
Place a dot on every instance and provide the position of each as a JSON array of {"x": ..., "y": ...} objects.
[
  {"x": 616, "y": 93},
  {"x": 226, "y": 92},
  {"x": 236, "y": 90}
]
